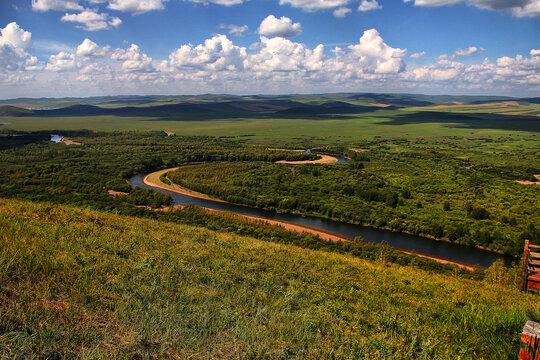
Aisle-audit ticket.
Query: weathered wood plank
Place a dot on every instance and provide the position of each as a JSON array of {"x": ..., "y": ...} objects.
[{"x": 530, "y": 342}]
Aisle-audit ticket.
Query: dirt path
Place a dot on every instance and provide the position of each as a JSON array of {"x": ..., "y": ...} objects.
[
  {"x": 116, "y": 193},
  {"x": 154, "y": 180},
  {"x": 358, "y": 149},
  {"x": 324, "y": 159}
]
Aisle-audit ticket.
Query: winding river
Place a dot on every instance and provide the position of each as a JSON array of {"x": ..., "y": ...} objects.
[{"x": 440, "y": 249}]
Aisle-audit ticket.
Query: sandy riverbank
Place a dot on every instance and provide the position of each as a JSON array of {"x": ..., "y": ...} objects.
[
  {"x": 153, "y": 179},
  {"x": 285, "y": 150},
  {"x": 528, "y": 182},
  {"x": 69, "y": 142},
  {"x": 324, "y": 159}
]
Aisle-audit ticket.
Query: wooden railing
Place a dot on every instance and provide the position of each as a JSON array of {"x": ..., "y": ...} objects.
[{"x": 530, "y": 276}]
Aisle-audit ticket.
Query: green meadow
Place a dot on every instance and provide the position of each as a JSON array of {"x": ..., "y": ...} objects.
[
  {"x": 340, "y": 129},
  {"x": 89, "y": 285}
]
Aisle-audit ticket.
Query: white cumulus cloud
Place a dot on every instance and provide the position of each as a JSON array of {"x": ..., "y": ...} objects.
[
  {"x": 133, "y": 59},
  {"x": 466, "y": 52},
  {"x": 218, "y": 53},
  {"x": 63, "y": 61},
  {"x": 273, "y": 65},
  {"x": 235, "y": 30},
  {"x": 14, "y": 46},
  {"x": 519, "y": 8},
  {"x": 88, "y": 48},
  {"x": 90, "y": 20},
  {"x": 136, "y": 6},
  {"x": 32, "y": 64},
  {"x": 282, "y": 27},
  {"x": 219, "y": 2},
  {"x": 280, "y": 54},
  {"x": 375, "y": 56},
  {"x": 367, "y": 5},
  {"x": 58, "y": 5},
  {"x": 13, "y": 35},
  {"x": 312, "y": 5},
  {"x": 341, "y": 12},
  {"x": 418, "y": 55}
]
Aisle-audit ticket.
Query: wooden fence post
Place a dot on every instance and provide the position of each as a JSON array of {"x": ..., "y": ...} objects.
[
  {"x": 524, "y": 271},
  {"x": 530, "y": 342}
]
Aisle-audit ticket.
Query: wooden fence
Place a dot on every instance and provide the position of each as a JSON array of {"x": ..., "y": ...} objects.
[{"x": 530, "y": 276}]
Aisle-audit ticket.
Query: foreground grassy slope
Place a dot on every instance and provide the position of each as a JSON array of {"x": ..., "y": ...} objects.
[{"x": 78, "y": 283}]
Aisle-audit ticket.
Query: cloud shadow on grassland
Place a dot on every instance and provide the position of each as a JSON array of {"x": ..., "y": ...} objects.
[{"x": 469, "y": 121}]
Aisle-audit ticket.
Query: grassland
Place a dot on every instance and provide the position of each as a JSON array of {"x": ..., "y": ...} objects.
[
  {"x": 347, "y": 130},
  {"x": 82, "y": 284},
  {"x": 260, "y": 119}
]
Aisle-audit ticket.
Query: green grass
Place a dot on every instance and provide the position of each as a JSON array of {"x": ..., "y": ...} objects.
[
  {"x": 323, "y": 130},
  {"x": 82, "y": 284}
]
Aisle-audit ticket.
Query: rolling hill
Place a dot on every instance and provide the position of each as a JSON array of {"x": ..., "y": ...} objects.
[{"x": 82, "y": 284}]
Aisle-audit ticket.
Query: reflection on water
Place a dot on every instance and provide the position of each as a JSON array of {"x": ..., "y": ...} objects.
[
  {"x": 56, "y": 138},
  {"x": 446, "y": 250}
]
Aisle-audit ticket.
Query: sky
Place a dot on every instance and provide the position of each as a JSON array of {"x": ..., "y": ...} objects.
[{"x": 59, "y": 48}]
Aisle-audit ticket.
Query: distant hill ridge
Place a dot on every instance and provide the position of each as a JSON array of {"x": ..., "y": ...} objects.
[
  {"x": 9, "y": 110},
  {"x": 217, "y": 106}
]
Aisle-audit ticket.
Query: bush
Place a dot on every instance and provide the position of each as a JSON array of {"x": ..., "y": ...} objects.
[{"x": 478, "y": 213}]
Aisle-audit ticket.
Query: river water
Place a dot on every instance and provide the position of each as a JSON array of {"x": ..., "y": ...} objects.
[
  {"x": 56, "y": 138},
  {"x": 442, "y": 249}
]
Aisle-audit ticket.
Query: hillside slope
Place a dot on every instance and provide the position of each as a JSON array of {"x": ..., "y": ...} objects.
[{"x": 79, "y": 283}]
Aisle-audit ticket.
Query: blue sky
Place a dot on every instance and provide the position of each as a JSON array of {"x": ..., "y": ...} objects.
[{"x": 107, "y": 47}]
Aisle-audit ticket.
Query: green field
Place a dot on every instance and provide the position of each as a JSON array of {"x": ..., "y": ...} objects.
[
  {"x": 352, "y": 129},
  {"x": 89, "y": 285},
  {"x": 264, "y": 119}
]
